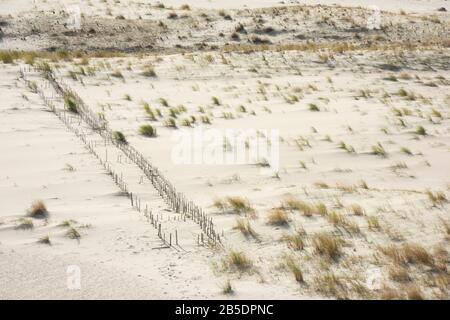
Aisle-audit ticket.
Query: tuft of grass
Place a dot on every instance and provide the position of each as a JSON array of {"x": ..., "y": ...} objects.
[
  {"x": 119, "y": 137},
  {"x": 399, "y": 274},
  {"x": 408, "y": 254},
  {"x": 170, "y": 123},
  {"x": 227, "y": 288},
  {"x": 243, "y": 225},
  {"x": 379, "y": 150},
  {"x": 278, "y": 217},
  {"x": 147, "y": 130},
  {"x": 373, "y": 223},
  {"x": 308, "y": 209},
  {"x": 313, "y": 107},
  {"x": 117, "y": 74},
  {"x": 413, "y": 292},
  {"x": 238, "y": 260},
  {"x": 328, "y": 283},
  {"x": 163, "y": 102},
  {"x": 73, "y": 233},
  {"x": 215, "y": 101},
  {"x": 357, "y": 210},
  {"x": 6, "y": 57},
  {"x": 25, "y": 224},
  {"x": 149, "y": 111},
  {"x": 70, "y": 103},
  {"x": 239, "y": 205},
  {"x": 406, "y": 151},
  {"x": 295, "y": 241},
  {"x": 294, "y": 268},
  {"x": 37, "y": 210},
  {"x": 437, "y": 198},
  {"x": 149, "y": 71},
  {"x": 421, "y": 131},
  {"x": 321, "y": 185},
  {"x": 45, "y": 240},
  {"x": 327, "y": 245}
]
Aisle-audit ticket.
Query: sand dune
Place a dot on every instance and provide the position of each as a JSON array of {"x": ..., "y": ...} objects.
[{"x": 128, "y": 129}]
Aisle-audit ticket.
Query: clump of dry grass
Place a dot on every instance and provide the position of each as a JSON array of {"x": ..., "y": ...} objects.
[
  {"x": 329, "y": 284},
  {"x": 388, "y": 293},
  {"x": 149, "y": 71},
  {"x": 147, "y": 130},
  {"x": 327, "y": 245},
  {"x": 413, "y": 292},
  {"x": 238, "y": 260},
  {"x": 244, "y": 226},
  {"x": 227, "y": 288},
  {"x": 293, "y": 267},
  {"x": 73, "y": 233},
  {"x": 119, "y": 137},
  {"x": 295, "y": 241},
  {"x": 45, "y": 240},
  {"x": 408, "y": 254},
  {"x": 379, "y": 150},
  {"x": 437, "y": 198},
  {"x": 339, "y": 220},
  {"x": 307, "y": 209},
  {"x": 357, "y": 210},
  {"x": 237, "y": 205},
  {"x": 278, "y": 217},
  {"x": 37, "y": 210},
  {"x": 399, "y": 273},
  {"x": 25, "y": 224},
  {"x": 373, "y": 223}
]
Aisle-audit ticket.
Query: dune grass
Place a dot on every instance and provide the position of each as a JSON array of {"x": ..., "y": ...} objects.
[{"x": 37, "y": 210}]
